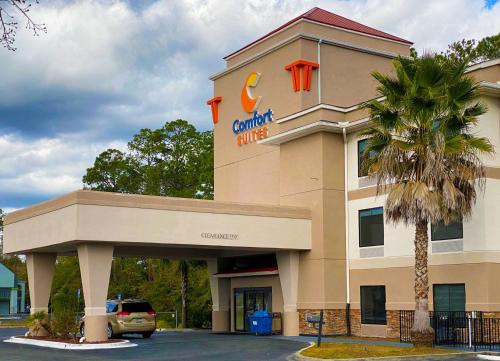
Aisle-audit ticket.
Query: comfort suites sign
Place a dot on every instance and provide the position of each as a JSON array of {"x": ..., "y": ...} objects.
[{"x": 253, "y": 128}]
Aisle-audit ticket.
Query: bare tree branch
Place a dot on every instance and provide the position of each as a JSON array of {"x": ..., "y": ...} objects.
[{"x": 10, "y": 11}]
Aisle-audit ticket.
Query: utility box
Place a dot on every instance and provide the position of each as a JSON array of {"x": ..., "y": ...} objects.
[{"x": 261, "y": 323}]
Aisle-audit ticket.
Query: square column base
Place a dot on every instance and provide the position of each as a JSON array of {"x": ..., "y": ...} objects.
[
  {"x": 96, "y": 328},
  {"x": 290, "y": 323},
  {"x": 221, "y": 321}
]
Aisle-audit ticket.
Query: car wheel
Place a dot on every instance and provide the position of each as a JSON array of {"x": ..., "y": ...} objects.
[
  {"x": 110, "y": 331},
  {"x": 147, "y": 334}
]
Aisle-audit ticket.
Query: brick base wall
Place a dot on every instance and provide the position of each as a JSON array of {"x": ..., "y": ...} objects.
[{"x": 334, "y": 322}]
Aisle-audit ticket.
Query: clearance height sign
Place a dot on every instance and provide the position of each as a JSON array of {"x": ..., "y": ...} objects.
[{"x": 254, "y": 128}]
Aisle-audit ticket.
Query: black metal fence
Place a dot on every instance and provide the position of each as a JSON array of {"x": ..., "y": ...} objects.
[{"x": 472, "y": 330}]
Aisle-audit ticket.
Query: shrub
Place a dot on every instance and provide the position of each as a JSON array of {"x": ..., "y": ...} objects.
[
  {"x": 33, "y": 319},
  {"x": 64, "y": 322}
]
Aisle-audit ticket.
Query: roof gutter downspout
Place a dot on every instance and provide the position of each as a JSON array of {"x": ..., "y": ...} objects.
[
  {"x": 346, "y": 204},
  {"x": 319, "y": 70}
]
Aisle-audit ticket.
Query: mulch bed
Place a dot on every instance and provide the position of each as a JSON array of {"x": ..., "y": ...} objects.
[{"x": 72, "y": 341}]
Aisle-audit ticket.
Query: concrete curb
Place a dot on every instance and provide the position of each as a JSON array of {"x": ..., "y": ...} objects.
[
  {"x": 298, "y": 357},
  {"x": 489, "y": 357},
  {"x": 70, "y": 346}
]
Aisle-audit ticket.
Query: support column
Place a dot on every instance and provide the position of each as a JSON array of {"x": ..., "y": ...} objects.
[
  {"x": 40, "y": 268},
  {"x": 288, "y": 267},
  {"x": 221, "y": 298},
  {"x": 95, "y": 268}
]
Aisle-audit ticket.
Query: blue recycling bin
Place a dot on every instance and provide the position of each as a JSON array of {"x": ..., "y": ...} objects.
[{"x": 261, "y": 323}]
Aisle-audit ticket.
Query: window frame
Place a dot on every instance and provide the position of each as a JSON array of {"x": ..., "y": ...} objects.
[
  {"x": 359, "y": 227},
  {"x": 364, "y": 321}
]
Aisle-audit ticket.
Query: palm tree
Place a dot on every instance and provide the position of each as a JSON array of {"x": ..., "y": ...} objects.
[
  {"x": 424, "y": 155},
  {"x": 184, "y": 271}
]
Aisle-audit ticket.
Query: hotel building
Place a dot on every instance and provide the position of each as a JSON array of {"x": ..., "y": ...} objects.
[{"x": 295, "y": 226}]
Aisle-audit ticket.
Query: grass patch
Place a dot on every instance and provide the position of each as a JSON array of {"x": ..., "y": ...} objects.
[
  {"x": 365, "y": 338},
  {"x": 13, "y": 323},
  {"x": 337, "y": 350}
]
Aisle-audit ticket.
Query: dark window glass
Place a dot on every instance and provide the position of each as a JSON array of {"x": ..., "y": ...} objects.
[
  {"x": 361, "y": 148},
  {"x": 373, "y": 305},
  {"x": 136, "y": 307},
  {"x": 371, "y": 227},
  {"x": 441, "y": 232},
  {"x": 449, "y": 297}
]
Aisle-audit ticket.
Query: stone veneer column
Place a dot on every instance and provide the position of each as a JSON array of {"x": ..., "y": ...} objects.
[
  {"x": 288, "y": 267},
  {"x": 95, "y": 268},
  {"x": 221, "y": 297},
  {"x": 40, "y": 273}
]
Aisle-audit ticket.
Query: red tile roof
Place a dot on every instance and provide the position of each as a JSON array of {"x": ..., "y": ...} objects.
[{"x": 325, "y": 17}]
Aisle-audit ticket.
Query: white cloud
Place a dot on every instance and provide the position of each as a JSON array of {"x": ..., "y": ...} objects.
[
  {"x": 142, "y": 66},
  {"x": 47, "y": 165}
]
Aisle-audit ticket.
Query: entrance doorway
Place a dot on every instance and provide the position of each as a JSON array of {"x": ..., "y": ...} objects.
[{"x": 247, "y": 301}]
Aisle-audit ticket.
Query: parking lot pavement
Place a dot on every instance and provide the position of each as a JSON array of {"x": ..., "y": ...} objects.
[
  {"x": 188, "y": 345},
  {"x": 180, "y": 346}
]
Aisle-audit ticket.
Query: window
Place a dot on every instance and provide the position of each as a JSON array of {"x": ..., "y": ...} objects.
[
  {"x": 111, "y": 307},
  {"x": 361, "y": 148},
  {"x": 373, "y": 305},
  {"x": 371, "y": 227},
  {"x": 442, "y": 232},
  {"x": 449, "y": 297},
  {"x": 136, "y": 307}
]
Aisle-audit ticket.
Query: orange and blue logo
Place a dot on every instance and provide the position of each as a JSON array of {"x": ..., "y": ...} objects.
[{"x": 254, "y": 128}]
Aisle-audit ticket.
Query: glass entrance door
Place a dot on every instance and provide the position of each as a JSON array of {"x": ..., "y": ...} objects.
[{"x": 246, "y": 302}]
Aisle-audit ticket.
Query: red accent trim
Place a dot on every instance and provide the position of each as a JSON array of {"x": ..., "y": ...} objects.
[
  {"x": 214, "y": 106},
  {"x": 328, "y": 18},
  {"x": 250, "y": 270},
  {"x": 307, "y": 68}
]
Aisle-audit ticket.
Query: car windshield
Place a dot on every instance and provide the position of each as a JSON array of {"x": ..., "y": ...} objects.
[{"x": 136, "y": 307}]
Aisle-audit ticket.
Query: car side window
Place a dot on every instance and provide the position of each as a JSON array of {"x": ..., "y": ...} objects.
[{"x": 111, "y": 307}]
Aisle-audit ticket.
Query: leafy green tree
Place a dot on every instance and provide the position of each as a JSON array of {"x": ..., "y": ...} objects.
[
  {"x": 472, "y": 51},
  {"x": 424, "y": 154},
  {"x": 113, "y": 171}
]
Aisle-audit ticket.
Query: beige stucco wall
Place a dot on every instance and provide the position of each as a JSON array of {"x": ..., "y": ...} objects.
[
  {"x": 346, "y": 79},
  {"x": 311, "y": 176},
  {"x": 180, "y": 222},
  {"x": 322, "y": 32},
  {"x": 480, "y": 279}
]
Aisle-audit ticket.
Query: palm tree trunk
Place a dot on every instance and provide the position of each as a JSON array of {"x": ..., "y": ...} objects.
[
  {"x": 421, "y": 324},
  {"x": 184, "y": 291}
]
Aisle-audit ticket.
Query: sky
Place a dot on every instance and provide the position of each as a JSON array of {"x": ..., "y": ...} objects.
[{"x": 107, "y": 68}]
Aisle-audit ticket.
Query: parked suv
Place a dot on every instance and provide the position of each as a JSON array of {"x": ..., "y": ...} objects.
[{"x": 128, "y": 316}]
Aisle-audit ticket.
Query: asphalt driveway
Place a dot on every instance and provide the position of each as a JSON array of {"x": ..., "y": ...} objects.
[
  {"x": 179, "y": 346},
  {"x": 189, "y": 345}
]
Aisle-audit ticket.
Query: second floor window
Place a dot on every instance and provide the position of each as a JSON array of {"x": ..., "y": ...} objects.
[
  {"x": 371, "y": 227},
  {"x": 442, "y": 232},
  {"x": 361, "y": 148}
]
